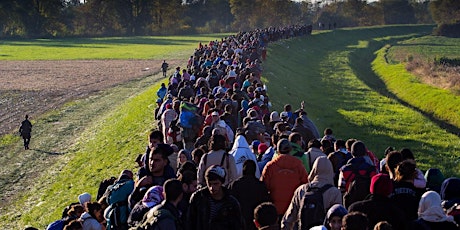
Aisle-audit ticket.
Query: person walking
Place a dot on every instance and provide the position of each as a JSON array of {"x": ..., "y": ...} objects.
[
  {"x": 164, "y": 67},
  {"x": 25, "y": 131}
]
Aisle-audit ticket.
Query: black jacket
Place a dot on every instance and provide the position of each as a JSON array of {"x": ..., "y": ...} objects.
[{"x": 228, "y": 217}]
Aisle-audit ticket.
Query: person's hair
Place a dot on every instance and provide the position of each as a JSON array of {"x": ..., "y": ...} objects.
[
  {"x": 172, "y": 189},
  {"x": 299, "y": 121},
  {"x": 407, "y": 154},
  {"x": 265, "y": 214},
  {"x": 187, "y": 177},
  {"x": 197, "y": 152},
  {"x": 326, "y": 144},
  {"x": 287, "y": 107},
  {"x": 355, "y": 221},
  {"x": 294, "y": 137},
  {"x": 92, "y": 207},
  {"x": 349, "y": 143},
  {"x": 339, "y": 143},
  {"x": 328, "y": 131},
  {"x": 76, "y": 209},
  {"x": 393, "y": 158},
  {"x": 163, "y": 149},
  {"x": 249, "y": 168},
  {"x": 156, "y": 134},
  {"x": 314, "y": 143},
  {"x": 73, "y": 225},
  {"x": 228, "y": 108},
  {"x": 217, "y": 142},
  {"x": 406, "y": 170},
  {"x": 383, "y": 225}
]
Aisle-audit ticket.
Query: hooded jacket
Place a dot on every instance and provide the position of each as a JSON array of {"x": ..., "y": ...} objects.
[
  {"x": 241, "y": 152},
  {"x": 321, "y": 174},
  {"x": 282, "y": 176}
]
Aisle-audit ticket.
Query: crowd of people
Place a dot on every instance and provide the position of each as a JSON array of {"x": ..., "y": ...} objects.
[{"x": 222, "y": 158}]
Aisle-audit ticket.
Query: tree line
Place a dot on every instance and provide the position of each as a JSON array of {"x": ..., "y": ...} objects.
[{"x": 91, "y": 18}]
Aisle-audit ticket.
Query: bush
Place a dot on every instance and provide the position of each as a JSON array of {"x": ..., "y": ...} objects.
[
  {"x": 448, "y": 30},
  {"x": 447, "y": 61}
]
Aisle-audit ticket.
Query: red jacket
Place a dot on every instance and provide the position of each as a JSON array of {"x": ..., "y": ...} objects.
[{"x": 282, "y": 176}]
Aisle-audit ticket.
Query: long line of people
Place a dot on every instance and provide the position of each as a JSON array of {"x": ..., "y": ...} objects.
[{"x": 222, "y": 159}]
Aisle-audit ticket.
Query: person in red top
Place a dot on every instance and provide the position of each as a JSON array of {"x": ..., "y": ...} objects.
[{"x": 283, "y": 175}]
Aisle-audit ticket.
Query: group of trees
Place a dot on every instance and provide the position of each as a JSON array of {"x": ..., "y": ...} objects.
[{"x": 63, "y": 18}]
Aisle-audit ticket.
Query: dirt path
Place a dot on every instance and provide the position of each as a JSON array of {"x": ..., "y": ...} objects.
[{"x": 34, "y": 87}]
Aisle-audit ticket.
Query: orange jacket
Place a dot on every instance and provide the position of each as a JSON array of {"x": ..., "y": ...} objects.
[{"x": 282, "y": 176}]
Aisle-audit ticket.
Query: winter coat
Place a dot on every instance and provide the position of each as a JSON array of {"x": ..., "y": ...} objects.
[
  {"x": 406, "y": 197},
  {"x": 199, "y": 213},
  {"x": 241, "y": 152},
  {"x": 321, "y": 174},
  {"x": 380, "y": 208},
  {"x": 282, "y": 176},
  {"x": 250, "y": 192},
  {"x": 346, "y": 175},
  {"x": 266, "y": 157}
]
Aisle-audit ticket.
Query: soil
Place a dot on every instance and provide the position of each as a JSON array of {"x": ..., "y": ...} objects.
[{"x": 34, "y": 87}]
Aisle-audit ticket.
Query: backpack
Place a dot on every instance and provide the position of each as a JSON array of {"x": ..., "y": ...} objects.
[
  {"x": 150, "y": 222},
  {"x": 118, "y": 211},
  {"x": 359, "y": 188},
  {"x": 312, "y": 211},
  {"x": 224, "y": 156}
]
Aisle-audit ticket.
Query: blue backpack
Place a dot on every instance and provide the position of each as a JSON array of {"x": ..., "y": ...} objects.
[{"x": 118, "y": 211}]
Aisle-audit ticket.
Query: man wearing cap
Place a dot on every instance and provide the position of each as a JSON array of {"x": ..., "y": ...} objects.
[
  {"x": 212, "y": 207},
  {"x": 283, "y": 175}
]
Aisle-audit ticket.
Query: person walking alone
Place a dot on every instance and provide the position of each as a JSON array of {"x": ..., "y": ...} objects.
[
  {"x": 25, "y": 131},
  {"x": 164, "y": 67}
]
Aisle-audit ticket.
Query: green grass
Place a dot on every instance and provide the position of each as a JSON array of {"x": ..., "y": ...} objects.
[
  {"x": 154, "y": 47},
  {"x": 332, "y": 72},
  {"x": 426, "y": 48}
]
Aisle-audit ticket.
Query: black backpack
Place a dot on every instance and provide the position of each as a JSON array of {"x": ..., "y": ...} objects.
[
  {"x": 312, "y": 211},
  {"x": 359, "y": 188}
]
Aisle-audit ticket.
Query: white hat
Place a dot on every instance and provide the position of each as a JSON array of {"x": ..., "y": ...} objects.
[{"x": 83, "y": 198}]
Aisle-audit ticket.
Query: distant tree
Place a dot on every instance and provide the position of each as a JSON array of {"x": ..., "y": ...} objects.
[
  {"x": 242, "y": 11},
  {"x": 445, "y": 11},
  {"x": 422, "y": 11},
  {"x": 398, "y": 12}
]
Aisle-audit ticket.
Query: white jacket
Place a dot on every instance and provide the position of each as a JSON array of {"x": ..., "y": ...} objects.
[{"x": 241, "y": 152}]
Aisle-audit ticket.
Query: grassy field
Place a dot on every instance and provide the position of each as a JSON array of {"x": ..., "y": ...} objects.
[
  {"x": 155, "y": 47},
  {"x": 331, "y": 71},
  {"x": 425, "y": 48}
]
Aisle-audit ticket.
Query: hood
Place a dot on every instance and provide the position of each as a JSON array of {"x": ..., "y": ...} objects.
[
  {"x": 450, "y": 189},
  {"x": 240, "y": 142},
  {"x": 335, "y": 210},
  {"x": 322, "y": 172}
]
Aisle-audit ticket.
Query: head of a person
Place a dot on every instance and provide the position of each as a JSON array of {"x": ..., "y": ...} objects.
[
  {"x": 155, "y": 137},
  {"x": 339, "y": 144},
  {"x": 349, "y": 143},
  {"x": 434, "y": 179},
  {"x": 381, "y": 185},
  {"x": 262, "y": 148},
  {"x": 159, "y": 158},
  {"x": 322, "y": 171},
  {"x": 284, "y": 146},
  {"x": 287, "y": 107},
  {"x": 314, "y": 143},
  {"x": 182, "y": 156},
  {"x": 450, "y": 191},
  {"x": 327, "y": 131},
  {"x": 84, "y": 198},
  {"x": 215, "y": 177},
  {"x": 249, "y": 168},
  {"x": 407, "y": 154},
  {"x": 172, "y": 190},
  {"x": 334, "y": 216},
  {"x": 355, "y": 221},
  {"x": 265, "y": 215},
  {"x": 406, "y": 171},
  {"x": 358, "y": 149},
  {"x": 393, "y": 158},
  {"x": 383, "y": 225},
  {"x": 296, "y": 138},
  {"x": 189, "y": 181},
  {"x": 215, "y": 116},
  {"x": 217, "y": 142},
  {"x": 73, "y": 225},
  {"x": 299, "y": 121},
  {"x": 94, "y": 209},
  {"x": 153, "y": 196},
  {"x": 75, "y": 211},
  {"x": 197, "y": 153},
  {"x": 429, "y": 205},
  {"x": 126, "y": 175}
]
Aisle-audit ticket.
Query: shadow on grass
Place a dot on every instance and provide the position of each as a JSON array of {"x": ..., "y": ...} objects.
[
  {"x": 360, "y": 62},
  {"x": 47, "y": 152}
]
